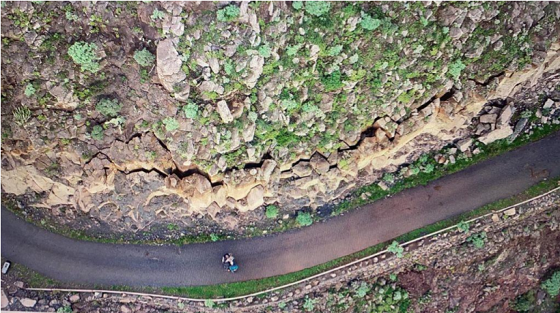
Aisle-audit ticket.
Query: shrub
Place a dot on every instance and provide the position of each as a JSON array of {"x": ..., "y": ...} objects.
[
  {"x": 170, "y": 123},
  {"x": 463, "y": 226},
  {"x": 455, "y": 69},
  {"x": 264, "y": 51},
  {"x": 304, "y": 219},
  {"x": 297, "y": 5},
  {"x": 191, "y": 110},
  {"x": 64, "y": 309},
  {"x": 332, "y": 81},
  {"x": 317, "y": 8},
  {"x": 85, "y": 55},
  {"x": 334, "y": 51},
  {"x": 21, "y": 115},
  {"x": 552, "y": 285},
  {"x": 309, "y": 304},
  {"x": 389, "y": 178},
  {"x": 292, "y": 50},
  {"x": 144, "y": 57},
  {"x": 97, "y": 132},
  {"x": 209, "y": 303},
  {"x": 157, "y": 15},
  {"x": 361, "y": 289},
  {"x": 271, "y": 211},
  {"x": 477, "y": 240},
  {"x": 214, "y": 237},
  {"x": 29, "y": 90},
  {"x": 108, "y": 107},
  {"x": 228, "y": 13},
  {"x": 524, "y": 302},
  {"x": 396, "y": 248},
  {"x": 369, "y": 22}
]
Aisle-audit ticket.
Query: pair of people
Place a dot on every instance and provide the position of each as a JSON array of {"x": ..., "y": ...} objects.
[{"x": 229, "y": 263}]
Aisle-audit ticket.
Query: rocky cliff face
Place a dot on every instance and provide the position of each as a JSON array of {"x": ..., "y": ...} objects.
[{"x": 234, "y": 107}]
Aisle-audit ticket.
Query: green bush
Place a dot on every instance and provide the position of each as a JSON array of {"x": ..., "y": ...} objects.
[
  {"x": 552, "y": 285},
  {"x": 64, "y": 309},
  {"x": 455, "y": 69},
  {"x": 144, "y": 57},
  {"x": 272, "y": 211},
  {"x": 369, "y": 22},
  {"x": 334, "y": 51},
  {"x": 396, "y": 248},
  {"x": 21, "y": 115},
  {"x": 191, "y": 110},
  {"x": 108, "y": 107},
  {"x": 228, "y": 13},
  {"x": 309, "y": 304},
  {"x": 317, "y": 8},
  {"x": 157, "y": 15},
  {"x": 524, "y": 302},
  {"x": 463, "y": 226},
  {"x": 29, "y": 90},
  {"x": 209, "y": 303},
  {"x": 332, "y": 81},
  {"x": 85, "y": 55},
  {"x": 297, "y": 5},
  {"x": 304, "y": 219},
  {"x": 264, "y": 51},
  {"x": 478, "y": 240},
  {"x": 97, "y": 132},
  {"x": 214, "y": 237},
  {"x": 170, "y": 123},
  {"x": 361, "y": 289}
]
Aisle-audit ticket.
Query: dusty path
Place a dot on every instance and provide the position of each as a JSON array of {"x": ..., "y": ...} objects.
[{"x": 199, "y": 264}]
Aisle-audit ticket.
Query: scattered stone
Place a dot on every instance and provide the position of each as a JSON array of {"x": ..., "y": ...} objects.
[
  {"x": 510, "y": 212},
  {"x": 224, "y": 111},
  {"x": 28, "y": 303},
  {"x": 499, "y": 133},
  {"x": 74, "y": 298},
  {"x": 506, "y": 114},
  {"x": 464, "y": 144},
  {"x": 4, "y": 302},
  {"x": 548, "y": 104},
  {"x": 488, "y": 118},
  {"x": 495, "y": 218},
  {"x": 319, "y": 163}
]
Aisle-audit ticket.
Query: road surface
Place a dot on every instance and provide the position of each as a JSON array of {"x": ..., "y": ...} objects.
[{"x": 199, "y": 264}]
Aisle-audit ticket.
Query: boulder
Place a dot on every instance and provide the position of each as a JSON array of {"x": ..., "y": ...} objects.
[
  {"x": 302, "y": 169},
  {"x": 74, "y": 298},
  {"x": 249, "y": 131},
  {"x": 255, "y": 70},
  {"x": 267, "y": 168},
  {"x": 169, "y": 70},
  {"x": 497, "y": 134},
  {"x": 464, "y": 144},
  {"x": 224, "y": 111},
  {"x": 488, "y": 118},
  {"x": 506, "y": 114},
  {"x": 548, "y": 104},
  {"x": 28, "y": 303},
  {"x": 319, "y": 163},
  {"x": 5, "y": 302}
]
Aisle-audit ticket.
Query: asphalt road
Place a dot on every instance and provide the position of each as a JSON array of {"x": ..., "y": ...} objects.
[{"x": 199, "y": 264}]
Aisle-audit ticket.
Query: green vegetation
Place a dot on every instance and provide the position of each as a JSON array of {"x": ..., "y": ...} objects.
[
  {"x": 171, "y": 124},
  {"x": 271, "y": 211},
  {"x": 463, "y": 226},
  {"x": 304, "y": 219},
  {"x": 228, "y": 14},
  {"x": 29, "y": 90},
  {"x": 21, "y": 115},
  {"x": 157, "y": 15},
  {"x": 317, "y": 8},
  {"x": 478, "y": 240},
  {"x": 369, "y": 22},
  {"x": 309, "y": 304},
  {"x": 191, "y": 110},
  {"x": 144, "y": 57},
  {"x": 108, "y": 107},
  {"x": 264, "y": 51},
  {"x": 97, "y": 132},
  {"x": 552, "y": 285},
  {"x": 85, "y": 55},
  {"x": 456, "y": 68},
  {"x": 396, "y": 248}
]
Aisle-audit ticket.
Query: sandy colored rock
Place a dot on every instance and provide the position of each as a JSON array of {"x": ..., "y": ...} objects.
[
  {"x": 28, "y": 303},
  {"x": 224, "y": 111},
  {"x": 499, "y": 133}
]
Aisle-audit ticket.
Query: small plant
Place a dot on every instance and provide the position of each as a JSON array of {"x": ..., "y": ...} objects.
[
  {"x": 281, "y": 305},
  {"x": 108, "y": 107},
  {"x": 332, "y": 81},
  {"x": 389, "y": 178},
  {"x": 478, "y": 239},
  {"x": 170, "y": 123},
  {"x": 64, "y": 309},
  {"x": 144, "y": 57},
  {"x": 524, "y": 302},
  {"x": 304, "y": 219},
  {"x": 214, "y": 237},
  {"x": 264, "y": 51},
  {"x": 309, "y": 304},
  {"x": 252, "y": 116},
  {"x": 191, "y": 110},
  {"x": 85, "y": 55},
  {"x": 463, "y": 226},
  {"x": 71, "y": 16},
  {"x": 552, "y": 285},
  {"x": 157, "y": 15},
  {"x": 21, "y": 115},
  {"x": 317, "y": 8},
  {"x": 29, "y": 90},
  {"x": 456, "y": 68},
  {"x": 209, "y": 303},
  {"x": 292, "y": 50},
  {"x": 396, "y": 248},
  {"x": 393, "y": 277},
  {"x": 526, "y": 114},
  {"x": 271, "y": 211},
  {"x": 334, "y": 51},
  {"x": 228, "y": 13},
  {"x": 369, "y": 23},
  {"x": 97, "y": 132},
  {"x": 361, "y": 289}
]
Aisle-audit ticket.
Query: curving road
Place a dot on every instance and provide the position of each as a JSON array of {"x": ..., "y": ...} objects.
[{"x": 199, "y": 264}]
